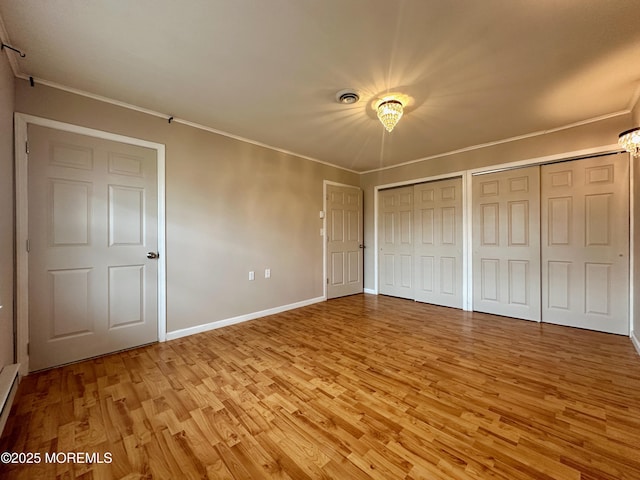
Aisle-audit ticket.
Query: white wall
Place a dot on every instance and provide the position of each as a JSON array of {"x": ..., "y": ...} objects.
[{"x": 7, "y": 96}]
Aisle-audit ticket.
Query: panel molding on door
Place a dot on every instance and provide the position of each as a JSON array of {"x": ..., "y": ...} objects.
[
  {"x": 344, "y": 241},
  {"x": 438, "y": 242},
  {"x": 395, "y": 242},
  {"x": 93, "y": 215},
  {"x": 506, "y": 243},
  {"x": 585, "y": 243}
]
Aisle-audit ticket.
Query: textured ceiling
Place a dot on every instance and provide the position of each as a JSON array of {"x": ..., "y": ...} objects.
[{"x": 268, "y": 70}]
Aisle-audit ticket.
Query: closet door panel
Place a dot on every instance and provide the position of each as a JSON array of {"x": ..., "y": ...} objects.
[
  {"x": 506, "y": 243},
  {"x": 395, "y": 241},
  {"x": 438, "y": 242},
  {"x": 585, "y": 243}
]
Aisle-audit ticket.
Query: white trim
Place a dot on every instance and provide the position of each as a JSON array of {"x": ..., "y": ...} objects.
[
  {"x": 21, "y": 122},
  {"x": 467, "y": 226},
  {"x": 632, "y": 258},
  {"x": 376, "y": 273},
  {"x": 575, "y": 155},
  {"x": 9, "y": 380},
  {"x": 506, "y": 140},
  {"x": 182, "y": 121},
  {"x": 635, "y": 341},
  {"x": 370, "y": 291},
  {"x": 434, "y": 178},
  {"x": 184, "y": 332},
  {"x": 22, "y": 228},
  {"x": 324, "y": 239}
]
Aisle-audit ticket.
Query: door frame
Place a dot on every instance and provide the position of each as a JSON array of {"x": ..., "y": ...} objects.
[
  {"x": 21, "y": 123},
  {"x": 323, "y": 233}
]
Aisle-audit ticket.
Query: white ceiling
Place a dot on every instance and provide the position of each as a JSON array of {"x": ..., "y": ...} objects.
[{"x": 477, "y": 71}]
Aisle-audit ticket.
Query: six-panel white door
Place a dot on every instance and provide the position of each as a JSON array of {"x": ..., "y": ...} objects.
[
  {"x": 344, "y": 241},
  {"x": 438, "y": 242},
  {"x": 92, "y": 220},
  {"x": 506, "y": 243},
  {"x": 395, "y": 242},
  {"x": 585, "y": 243}
]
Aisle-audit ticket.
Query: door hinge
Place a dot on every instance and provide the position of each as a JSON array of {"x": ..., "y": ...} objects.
[
  {"x": 28, "y": 348},
  {"x": 327, "y": 280},
  {"x": 26, "y": 148},
  {"x": 28, "y": 246}
]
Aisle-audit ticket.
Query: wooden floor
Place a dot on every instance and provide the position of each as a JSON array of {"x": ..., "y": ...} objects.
[{"x": 354, "y": 388}]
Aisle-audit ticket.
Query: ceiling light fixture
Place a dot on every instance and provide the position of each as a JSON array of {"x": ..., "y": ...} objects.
[
  {"x": 630, "y": 141},
  {"x": 389, "y": 113}
]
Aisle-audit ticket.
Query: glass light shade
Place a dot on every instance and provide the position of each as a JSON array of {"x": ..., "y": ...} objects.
[
  {"x": 389, "y": 113},
  {"x": 630, "y": 141}
]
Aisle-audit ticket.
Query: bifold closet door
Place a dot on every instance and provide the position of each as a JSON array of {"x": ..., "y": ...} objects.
[
  {"x": 395, "y": 242},
  {"x": 585, "y": 243},
  {"x": 506, "y": 243},
  {"x": 438, "y": 242}
]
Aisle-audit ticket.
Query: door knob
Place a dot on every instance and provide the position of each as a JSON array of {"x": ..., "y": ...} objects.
[{"x": 152, "y": 255}]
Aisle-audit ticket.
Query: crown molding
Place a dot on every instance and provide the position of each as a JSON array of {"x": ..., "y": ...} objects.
[
  {"x": 182, "y": 121},
  {"x": 506, "y": 140}
]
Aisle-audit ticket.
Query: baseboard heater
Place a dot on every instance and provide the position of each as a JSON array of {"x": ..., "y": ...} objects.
[{"x": 8, "y": 387}]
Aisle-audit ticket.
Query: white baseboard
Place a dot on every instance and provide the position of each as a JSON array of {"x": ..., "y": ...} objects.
[
  {"x": 8, "y": 387},
  {"x": 242, "y": 318},
  {"x": 635, "y": 341},
  {"x": 370, "y": 290}
]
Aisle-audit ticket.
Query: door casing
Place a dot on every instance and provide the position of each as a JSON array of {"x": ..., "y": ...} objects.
[{"x": 21, "y": 121}]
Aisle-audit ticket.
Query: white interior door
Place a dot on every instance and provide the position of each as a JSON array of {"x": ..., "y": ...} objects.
[
  {"x": 92, "y": 220},
  {"x": 585, "y": 243},
  {"x": 344, "y": 241},
  {"x": 506, "y": 243},
  {"x": 395, "y": 242},
  {"x": 438, "y": 242}
]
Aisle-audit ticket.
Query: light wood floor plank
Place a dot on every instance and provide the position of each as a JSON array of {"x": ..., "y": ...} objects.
[{"x": 362, "y": 387}]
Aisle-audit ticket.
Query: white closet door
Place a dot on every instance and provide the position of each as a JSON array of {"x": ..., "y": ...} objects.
[
  {"x": 585, "y": 243},
  {"x": 395, "y": 242},
  {"x": 506, "y": 243},
  {"x": 438, "y": 242}
]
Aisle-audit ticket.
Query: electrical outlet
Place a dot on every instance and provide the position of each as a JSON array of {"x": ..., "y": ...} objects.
[
  {"x": 267, "y": 273},
  {"x": 252, "y": 275}
]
